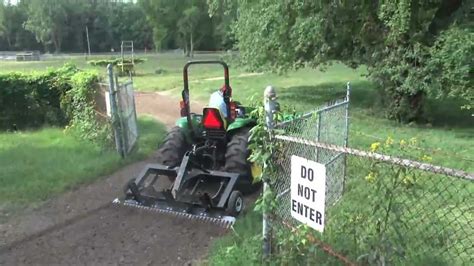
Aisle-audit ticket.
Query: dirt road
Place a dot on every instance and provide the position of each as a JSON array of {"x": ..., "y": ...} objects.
[{"x": 82, "y": 227}]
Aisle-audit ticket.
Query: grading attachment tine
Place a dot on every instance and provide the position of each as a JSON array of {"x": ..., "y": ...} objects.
[{"x": 222, "y": 221}]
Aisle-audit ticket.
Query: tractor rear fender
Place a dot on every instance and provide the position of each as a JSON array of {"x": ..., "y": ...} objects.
[
  {"x": 196, "y": 120},
  {"x": 240, "y": 123},
  {"x": 182, "y": 122}
]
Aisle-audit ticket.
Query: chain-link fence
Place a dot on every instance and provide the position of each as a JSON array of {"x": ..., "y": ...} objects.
[
  {"x": 328, "y": 124},
  {"x": 384, "y": 206},
  {"x": 121, "y": 108}
]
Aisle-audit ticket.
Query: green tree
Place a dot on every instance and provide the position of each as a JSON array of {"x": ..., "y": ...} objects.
[
  {"x": 223, "y": 15},
  {"x": 163, "y": 16},
  {"x": 12, "y": 34},
  {"x": 452, "y": 62},
  {"x": 183, "y": 24},
  {"x": 2, "y": 19},
  {"x": 393, "y": 38},
  {"x": 192, "y": 25},
  {"x": 129, "y": 23},
  {"x": 48, "y": 21}
]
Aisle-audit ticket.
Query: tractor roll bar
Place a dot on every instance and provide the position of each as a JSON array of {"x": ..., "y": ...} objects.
[
  {"x": 185, "y": 94},
  {"x": 208, "y": 62}
]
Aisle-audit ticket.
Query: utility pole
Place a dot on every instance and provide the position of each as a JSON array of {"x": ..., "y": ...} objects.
[{"x": 88, "y": 42}]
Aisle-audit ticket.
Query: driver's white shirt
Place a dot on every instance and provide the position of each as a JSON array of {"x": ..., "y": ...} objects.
[{"x": 217, "y": 101}]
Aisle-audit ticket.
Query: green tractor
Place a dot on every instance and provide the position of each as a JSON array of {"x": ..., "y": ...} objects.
[{"x": 204, "y": 159}]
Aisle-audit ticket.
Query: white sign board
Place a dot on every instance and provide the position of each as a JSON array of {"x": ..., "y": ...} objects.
[{"x": 308, "y": 192}]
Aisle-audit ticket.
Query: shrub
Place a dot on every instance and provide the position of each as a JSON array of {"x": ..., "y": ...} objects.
[
  {"x": 62, "y": 97},
  {"x": 80, "y": 107},
  {"x": 114, "y": 61},
  {"x": 30, "y": 101},
  {"x": 451, "y": 62},
  {"x": 121, "y": 70}
]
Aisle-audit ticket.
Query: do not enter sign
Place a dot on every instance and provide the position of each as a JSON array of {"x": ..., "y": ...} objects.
[{"x": 308, "y": 192}]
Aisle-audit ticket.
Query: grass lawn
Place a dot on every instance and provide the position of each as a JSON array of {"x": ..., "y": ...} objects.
[
  {"x": 241, "y": 248},
  {"x": 40, "y": 164}
]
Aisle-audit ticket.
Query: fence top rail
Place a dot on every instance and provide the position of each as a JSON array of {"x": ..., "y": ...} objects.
[
  {"x": 381, "y": 157},
  {"x": 127, "y": 83},
  {"x": 338, "y": 103},
  {"x": 305, "y": 116},
  {"x": 332, "y": 106}
]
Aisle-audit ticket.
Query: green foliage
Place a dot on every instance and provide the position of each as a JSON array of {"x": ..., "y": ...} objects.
[
  {"x": 12, "y": 33},
  {"x": 79, "y": 105},
  {"x": 263, "y": 149},
  {"x": 47, "y": 20},
  {"x": 242, "y": 246},
  {"x": 114, "y": 62},
  {"x": 452, "y": 63},
  {"x": 60, "y": 26},
  {"x": 181, "y": 24},
  {"x": 397, "y": 41},
  {"x": 122, "y": 70},
  {"x": 223, "y": 14},
  {"x": 2, "y": 19},
  {"x": 32, "y": 100},
  {"x": 404, "y": 80}
]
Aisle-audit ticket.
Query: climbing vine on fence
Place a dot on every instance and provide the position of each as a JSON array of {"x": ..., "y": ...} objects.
[
  {"x": 262, "y": 149},
  {"x": 79, "y": 105}
]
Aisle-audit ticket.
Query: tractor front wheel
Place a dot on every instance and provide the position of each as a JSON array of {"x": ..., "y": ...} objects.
[
  {"x": 173, "y": 148},
  {"x": 235, "y": 204}
]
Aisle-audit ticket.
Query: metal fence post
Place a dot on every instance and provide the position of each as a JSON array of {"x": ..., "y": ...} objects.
[
  {"x": 123, "y": 129},
  {"x": 348, "y": 93},
  {"x": 113, "y": 110},
  {"x": 271, "y": 106},
  {"x": 319, "y": 134},
  {"x": 346, "y": 137}
]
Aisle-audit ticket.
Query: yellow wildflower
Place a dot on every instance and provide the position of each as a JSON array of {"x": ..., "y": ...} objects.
[
  {"x": 426, "y": 158},
  {"x": 412, "y": 141},
  {"x": 388, "y": 142},
  {"x": 408, "y": 180},
  {"x": 374, "y": 146},
  {"x": 370, "y": 177},
  {"x": 403, "y": 142}
]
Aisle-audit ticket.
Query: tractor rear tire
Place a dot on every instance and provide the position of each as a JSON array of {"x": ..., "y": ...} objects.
[
  {"x": 236, "y": 161},
  {"x": 173, "y": 148}
]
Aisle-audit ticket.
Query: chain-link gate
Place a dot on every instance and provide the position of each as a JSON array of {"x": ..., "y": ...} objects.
[
  {"x": 127, "y": 114},
  {"x": 121, "y": 109}
]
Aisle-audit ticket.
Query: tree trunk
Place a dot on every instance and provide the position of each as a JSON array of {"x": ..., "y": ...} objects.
[
  {"x": 9, "y": 41},
  {"x": 186, "y": 48},
  {"x": 58, "y": 48},
  {"x": 55, "y": 42},
  {"x": 191, "y": 45}
]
